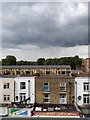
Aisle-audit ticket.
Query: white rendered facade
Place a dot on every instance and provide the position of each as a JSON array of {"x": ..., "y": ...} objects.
[
  {"x": 6, "y": 90},
  {"x": 82, "y": 91},
  {"x": 25, "y": 89}
]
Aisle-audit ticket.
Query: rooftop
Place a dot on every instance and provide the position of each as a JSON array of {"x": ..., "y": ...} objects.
[
  {"x": 35, "y": 66},
  {"x": 84, "y": 74},
  {"x": 54, "y": 76},
  {"x": 41, "y": 76}
]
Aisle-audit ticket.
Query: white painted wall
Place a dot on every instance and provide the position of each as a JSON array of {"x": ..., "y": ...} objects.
[
  {"x": 79, "y": 90},
  {"x": 3, "y": 111},
  {"x": 28, "y": 92},
  {"x": 9, "y": 91}
]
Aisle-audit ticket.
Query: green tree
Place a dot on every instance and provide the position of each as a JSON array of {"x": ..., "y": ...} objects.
[
  {"x": 41, "y": 61},
  {"x": 55, "y": 61},
  {"x": 48, "y": 61},
  {"x": 21, "y": 62},
  {"x": 9, "y": 60},
  {"x": 77, "y": 61}
]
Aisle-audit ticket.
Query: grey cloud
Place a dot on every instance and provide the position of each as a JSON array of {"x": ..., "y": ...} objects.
[{"x": 44, "y": 24}]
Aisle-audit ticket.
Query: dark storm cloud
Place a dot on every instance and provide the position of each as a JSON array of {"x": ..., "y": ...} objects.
[{"x": 44, "y": 24}]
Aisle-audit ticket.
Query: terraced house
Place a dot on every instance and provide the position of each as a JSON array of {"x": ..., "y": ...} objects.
[
  {"x": 82, "y": 93},
  {"x": 53, "y": 85},
  {"x": 25, "y": 89},
  {"x": 27, "y": 70},
  {"x": 54, "y": 90},
  {"x": 86, "y": 65},
  {"x": 6, "y": 90}
]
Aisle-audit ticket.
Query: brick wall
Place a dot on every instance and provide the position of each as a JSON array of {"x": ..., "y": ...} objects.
[{"x": 54, "y": 89}]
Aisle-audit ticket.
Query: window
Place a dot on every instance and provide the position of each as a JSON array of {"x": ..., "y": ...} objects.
[
  {"x": 6, "y": 98},
  {"x": 86, "y": 86},
  {"x": 86, "y": 98},
  {"x": 59, "y": 72},
  {"x": 47, "y": 71},
  {"x": 37, "y": 71},
  {"x": 46, "y": 86},
  {"x": 63, "y": 72},
  {"x": 6, "y": 85},
  {"x": 46, "y": 98},
  {"x": 62, "y": 86},
  {"x": 18, "y": 72},
  {"x": 27, "y": 72},
  {"x": 22, "y": 85},
  {"x": 63, "y": 99},
  {"x": 22, "y": 96}
]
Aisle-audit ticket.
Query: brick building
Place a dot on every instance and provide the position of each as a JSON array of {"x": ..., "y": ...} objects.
[
  {"x": 27, "y": 70},
  {"x": 54, "y": 90},
  {"x": 86, "y": 65}
]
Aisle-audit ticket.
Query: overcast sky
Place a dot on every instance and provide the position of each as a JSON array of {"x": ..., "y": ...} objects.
[{"x": 31, "y": 30}]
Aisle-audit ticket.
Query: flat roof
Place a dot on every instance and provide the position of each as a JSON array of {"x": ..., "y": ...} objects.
[
  {"x": 35, "y": 66},
  {"x": 41, "y": 76},
  {"x": 8, "y": 76}
]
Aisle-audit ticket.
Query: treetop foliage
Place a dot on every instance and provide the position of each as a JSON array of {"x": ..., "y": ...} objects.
[
  {"x": 74, "y": 62},
  {"x": 9, "y": 60}
]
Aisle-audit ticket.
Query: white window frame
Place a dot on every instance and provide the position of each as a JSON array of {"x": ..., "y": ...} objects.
[
  {"x": 6, "y": 85},
  {"x": 46, "y": 86},
  {"x": 87, "y": 96},
  {"x": 86, "y": 85},
  {"x": 63, "y": 99},
  {"x": 22, "y": 96},
  {"x": 48, "y": 98},
  {"x": 21, "y": 86},
  {"x": 63, "y": 85},
  {"x": 7, "y": 97}
]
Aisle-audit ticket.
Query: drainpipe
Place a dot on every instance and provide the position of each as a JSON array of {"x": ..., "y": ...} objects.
[
  {"x": 76, "y": 92},
  {"x": 76, "y": 98},
  {"x": 29, "y": 89},
  {"x": 14, "y": 91}
]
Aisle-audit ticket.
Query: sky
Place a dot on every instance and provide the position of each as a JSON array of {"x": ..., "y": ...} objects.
[{"x": 32, "y": 30}]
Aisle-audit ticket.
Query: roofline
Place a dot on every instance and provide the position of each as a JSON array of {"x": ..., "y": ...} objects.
[
  {"x": 36, "y": 66},
  {"x": 82, "y": 77}
]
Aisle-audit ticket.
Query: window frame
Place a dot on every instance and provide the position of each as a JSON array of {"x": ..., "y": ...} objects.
[
  {"x": 6, "y": 98},
  {"x": 62, "y": 86},
  {"x": 28, "y": 71},
  {"x": 22, "y": 95},
  {"x": 86, "y": 97},
  {"x": 63, "y": 98},
  {"x": 86, "y": 86},
  {"x": 19, "y": 71},
  {"x": 46, "y": 98},
  {"x": 46, "y": 86},
  {"x": 48, "y": 71},
  {"x": 21, "y": 86},
  {"x": 6, "y": 85}
]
